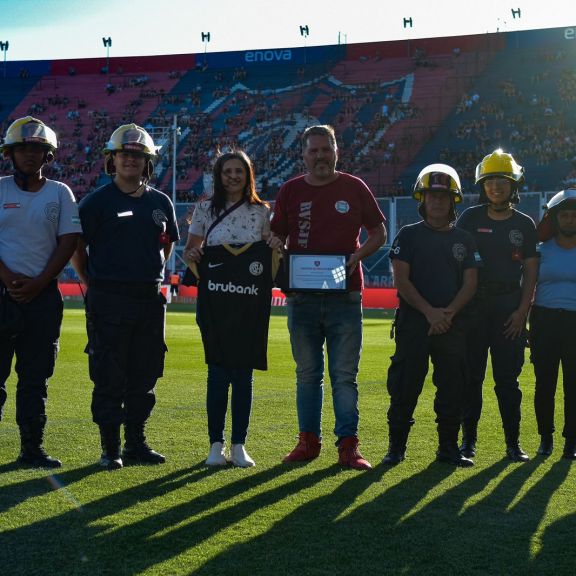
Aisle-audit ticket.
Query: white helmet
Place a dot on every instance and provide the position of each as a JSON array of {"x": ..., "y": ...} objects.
[
  {"x": 558, "y": 199},
  {"x": 546, "y": 227}
]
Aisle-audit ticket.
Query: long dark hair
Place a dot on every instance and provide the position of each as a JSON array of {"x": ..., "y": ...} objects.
[{"x": 218, "y": 201}]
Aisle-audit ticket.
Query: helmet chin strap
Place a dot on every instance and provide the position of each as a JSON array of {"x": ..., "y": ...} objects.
[
  {"x": 143, "y": 182},
  {"x": 441, "y": 227},
  {"x": 22, "y": 179},
  {"x": 145, "y": 178},
  {"x": 499, "y": 207}
]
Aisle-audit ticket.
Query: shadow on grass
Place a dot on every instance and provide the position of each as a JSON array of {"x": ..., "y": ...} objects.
[
  {"x": 472, "y": 528},
  {"x": 14, "y": 494},
  {"x": 87, "y": 541},
  {"x": 557, "y": 542},
  {"x": 478, "y": 523}
]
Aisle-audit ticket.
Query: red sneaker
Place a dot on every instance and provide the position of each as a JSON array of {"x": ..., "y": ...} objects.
[
  {"x": 308, "y": 448},
  {"x": 349, "y": 455}
]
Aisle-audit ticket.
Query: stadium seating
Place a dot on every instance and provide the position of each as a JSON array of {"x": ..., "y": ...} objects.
[{"x": 396, "y": 106}]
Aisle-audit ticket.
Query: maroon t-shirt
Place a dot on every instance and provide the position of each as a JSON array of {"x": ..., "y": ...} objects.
[{"x": 326, "y": 219}]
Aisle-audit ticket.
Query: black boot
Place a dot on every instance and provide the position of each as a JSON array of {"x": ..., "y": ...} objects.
[
  {"x": 448, "y": 451},
  {"x": 32, "y": 452},
  {"x": 135, "y": 447},
  {"x": 110, "y": 441},
  {"x": 515, "y": 453},
  {"x": 546, "y": 445},
  {"x": 513, "y": 450},
  {"x": 396, "y": 447},
  {"x": 569, "y": 449},
  {"x": 469, "y": 436}
]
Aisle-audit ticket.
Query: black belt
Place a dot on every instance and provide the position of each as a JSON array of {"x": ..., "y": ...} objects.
[
  {"x": 136, "y": 289},
  {"x": 553, "y": 310}
]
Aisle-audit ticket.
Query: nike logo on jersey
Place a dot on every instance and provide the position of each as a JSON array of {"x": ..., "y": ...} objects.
[{"x": 210, "y": 265}]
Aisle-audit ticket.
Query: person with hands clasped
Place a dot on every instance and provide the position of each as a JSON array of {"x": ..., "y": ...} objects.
[
  {"x": 434, "y": 266},
  {"x": 39, "y": 228},
  {"x": 506, "y": 240}
]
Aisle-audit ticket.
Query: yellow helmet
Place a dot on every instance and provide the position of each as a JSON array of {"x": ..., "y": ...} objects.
[
  {"x": 131, "y": 137},
  {"x": 29, "y": 130},
  {"x": 499, "y": 163},
  {"x": 438, "y": 177}
]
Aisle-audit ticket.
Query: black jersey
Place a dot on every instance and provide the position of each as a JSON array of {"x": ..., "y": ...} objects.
[
  {"x": 503, "y": 244},
  {"x": 234, "y": 299},
  {"x": 123, "y": 234},
  {"x": 437, "y": 260}
]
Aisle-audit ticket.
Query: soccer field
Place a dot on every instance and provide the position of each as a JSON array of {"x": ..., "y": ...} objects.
[{"x": 496, "y": 518}]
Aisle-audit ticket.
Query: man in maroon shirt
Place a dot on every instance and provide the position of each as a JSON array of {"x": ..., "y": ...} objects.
[{"x": 323, "y": 212}]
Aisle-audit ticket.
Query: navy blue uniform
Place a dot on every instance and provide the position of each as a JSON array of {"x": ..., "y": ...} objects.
[
  {"x": 503, "y": 246},
  {"x": 125, "y": 310},
  {"x": 437, "y": 263},
  {"x": 33, "y": 338}
]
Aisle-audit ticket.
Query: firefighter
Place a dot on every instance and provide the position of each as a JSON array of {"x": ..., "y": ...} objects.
[
  {"x": 39, "y": 229},
  {"x": 129, "y": 229},
  {"x": 506, "y": 240},
  {"x": 434, "y": 269}
]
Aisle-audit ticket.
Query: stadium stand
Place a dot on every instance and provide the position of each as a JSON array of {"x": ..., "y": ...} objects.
[{"x": 396, "y": 107}]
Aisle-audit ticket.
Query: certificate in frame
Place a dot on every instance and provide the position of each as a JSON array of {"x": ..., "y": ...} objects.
[{"x": 317, "y": 272}]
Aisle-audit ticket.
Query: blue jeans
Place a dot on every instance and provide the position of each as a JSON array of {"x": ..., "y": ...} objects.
[
  {"x": 219, "y": 380},
  {"x": 337, "y": 320}
]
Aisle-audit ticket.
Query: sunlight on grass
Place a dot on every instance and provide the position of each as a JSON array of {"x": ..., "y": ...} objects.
[{"x": 183, "y": 518}]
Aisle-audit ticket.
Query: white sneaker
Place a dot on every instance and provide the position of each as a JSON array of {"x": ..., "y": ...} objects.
[
  {"x": 217, "y": 457},
  {"x": 240, "y": 457}
]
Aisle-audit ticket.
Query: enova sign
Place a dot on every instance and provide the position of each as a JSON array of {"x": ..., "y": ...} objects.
[{"x": 268, "y": 55}]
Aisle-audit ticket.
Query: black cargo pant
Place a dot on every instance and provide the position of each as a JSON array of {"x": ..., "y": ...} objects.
[
  {"x": 489, "y": 312},
  {"x": 553, "y": 343},
  {"x": 409, "y": 367},
  {"x": 33, "y": 339},
  {"x": 126, "y": 351}
]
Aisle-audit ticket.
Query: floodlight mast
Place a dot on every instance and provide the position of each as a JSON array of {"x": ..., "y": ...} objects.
[
  {"x": 4, "y": 48},
  {"x": 175, "y": 134}
]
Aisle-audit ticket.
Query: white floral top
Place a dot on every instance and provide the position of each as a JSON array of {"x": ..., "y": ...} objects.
[{"x": 246, "y": 224}]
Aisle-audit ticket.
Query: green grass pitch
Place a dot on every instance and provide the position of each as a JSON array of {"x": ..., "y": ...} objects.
[{"x": 181, "y": 518}]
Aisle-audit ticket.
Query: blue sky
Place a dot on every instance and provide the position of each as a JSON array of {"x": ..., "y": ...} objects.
[{"x": 53, "y": 29}]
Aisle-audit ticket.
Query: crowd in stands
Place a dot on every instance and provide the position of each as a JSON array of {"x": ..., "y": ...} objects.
[
  {"x": 539, "y": 127},
  {"x": 220, "y": 110}
]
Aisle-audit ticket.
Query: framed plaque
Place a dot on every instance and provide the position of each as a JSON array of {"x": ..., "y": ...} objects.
[{"x": 317, "y": 273}]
